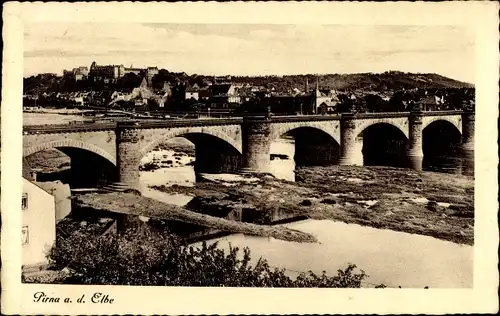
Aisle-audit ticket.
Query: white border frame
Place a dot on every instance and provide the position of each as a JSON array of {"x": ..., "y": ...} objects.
[{"x": 18, "y": 298}]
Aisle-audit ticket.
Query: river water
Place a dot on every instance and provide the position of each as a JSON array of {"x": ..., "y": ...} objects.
[{"x": 389, "y": 257}]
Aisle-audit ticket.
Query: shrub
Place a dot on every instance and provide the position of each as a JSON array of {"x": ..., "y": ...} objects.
[
  {"x": 147, "y": 258},
  {"x": 149, "y": 166}
]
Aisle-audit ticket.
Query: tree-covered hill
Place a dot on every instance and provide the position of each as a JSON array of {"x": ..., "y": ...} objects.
[
  {"x": 387, "y": 81},
  {"x": 392, "y": 80}
]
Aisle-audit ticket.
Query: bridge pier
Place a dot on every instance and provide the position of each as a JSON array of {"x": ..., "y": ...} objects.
[
  {"x": 349, "y": 149},
  {"x": 414, "y": 151},
  {"x": 127, "y": 155},
  {"x": 468, "y": 128},
  {"x": 255, "y": 134}
]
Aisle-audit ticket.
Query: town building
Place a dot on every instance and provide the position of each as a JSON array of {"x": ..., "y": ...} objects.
[
  {"x": 100, "y": 72},
  {"x": 114, "y": 72},
  {"x": 205, "y": 94},
  {"x": 243, "y": 93},
  {"x": 62, "y": 197},
  {"x": 79, "y": 73},
  {"x": 131, "y": 70},
  {"x": 60, "y": 191},
  {"x": 142, "y": 95},
  {"x": 432, "y": 102},
  {"x": 192, "y": 92},
  {"x": 326, "y": 100},
  {"x": 38, "y": 225},
  {"x": 150, "y": 73},
  {"x": 223, "y": 94},
  {"x": 234, "y": 97}
]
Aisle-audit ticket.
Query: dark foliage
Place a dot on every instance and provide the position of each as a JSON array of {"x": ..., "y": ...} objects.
[{"x": 146, "y": 258}]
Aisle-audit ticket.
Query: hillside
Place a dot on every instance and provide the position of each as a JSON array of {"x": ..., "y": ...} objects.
[
  {"x": 393, "y": 80},
  {"x": 387, "y": 81}
]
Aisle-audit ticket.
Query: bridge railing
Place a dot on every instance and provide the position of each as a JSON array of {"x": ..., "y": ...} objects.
[
  {"x": 61, "y": 128},
  {"x": 440, "y": 113},
  {"x": 189, "y": 122},
  {"x": 404, "y": 114},
  {"x": 301, "y": 118},
  {"x": 381, "y": 115}
]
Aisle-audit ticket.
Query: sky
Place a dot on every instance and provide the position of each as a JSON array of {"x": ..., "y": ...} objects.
[{"x": 252, "y": 49}]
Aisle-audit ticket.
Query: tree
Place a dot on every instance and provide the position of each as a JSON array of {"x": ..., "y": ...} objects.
[
  {"x": 460, "y": 99},
  {"x": 396, "y": 103},
  {"x": 162, "y": 76},
  {"x": 346, "y": 104},
  {"x": 129, "y": 81},
  {"x": 374, "y": 103}
]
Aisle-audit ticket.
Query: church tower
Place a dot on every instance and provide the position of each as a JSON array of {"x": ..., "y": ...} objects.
[
  {"x": 144, "y": 83},
  {"x": 317, "y": 96}
]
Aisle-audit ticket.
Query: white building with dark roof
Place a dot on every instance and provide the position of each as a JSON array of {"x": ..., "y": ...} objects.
[
  {"x": 38, "y": 231},
  {"x": 192, "y": 92},
  {"x": 326, "y": 100}
]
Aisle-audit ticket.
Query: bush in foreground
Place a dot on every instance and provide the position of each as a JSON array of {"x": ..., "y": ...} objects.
[{"x": 154, "y": 259}]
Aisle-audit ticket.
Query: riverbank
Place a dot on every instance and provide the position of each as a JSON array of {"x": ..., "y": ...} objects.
[
  {"x": 55, "y": 111},
  {"x": 51, "y": 117},
  {"x": 426, "y": 203}
]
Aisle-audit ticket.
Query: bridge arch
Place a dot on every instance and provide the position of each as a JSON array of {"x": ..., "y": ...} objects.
[
  {"x": 183, "y": 132},
  {"x": 440, "y": 137},
  {"x": 70, "y": 143},
  {"x": 453, "y": 120},
  {"x": 400, "y": 123},
  {"x": 383, "y": 143},
  {"x": 280, "y": 129},
  {"x": 316, "y": 144}
]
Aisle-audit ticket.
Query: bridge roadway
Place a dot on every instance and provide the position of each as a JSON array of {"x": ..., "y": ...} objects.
[
  {"x": 238, "y": 144},
  {"x": 154, "y": 123}
]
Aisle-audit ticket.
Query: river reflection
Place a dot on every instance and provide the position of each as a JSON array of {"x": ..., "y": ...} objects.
[{"x": 456, "y": 164}]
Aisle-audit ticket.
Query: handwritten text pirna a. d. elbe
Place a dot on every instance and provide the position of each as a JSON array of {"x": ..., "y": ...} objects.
[{"x": 96, "y": 298}]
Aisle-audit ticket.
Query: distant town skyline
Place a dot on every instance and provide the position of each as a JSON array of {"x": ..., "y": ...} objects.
[{"x": 252, "y": 49}]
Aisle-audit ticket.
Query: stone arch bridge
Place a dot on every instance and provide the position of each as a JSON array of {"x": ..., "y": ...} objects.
[{"x": 230, "y": 144}]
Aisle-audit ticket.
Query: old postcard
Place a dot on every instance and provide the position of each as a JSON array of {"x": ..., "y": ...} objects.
[{"x": 249, "y": 158}]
